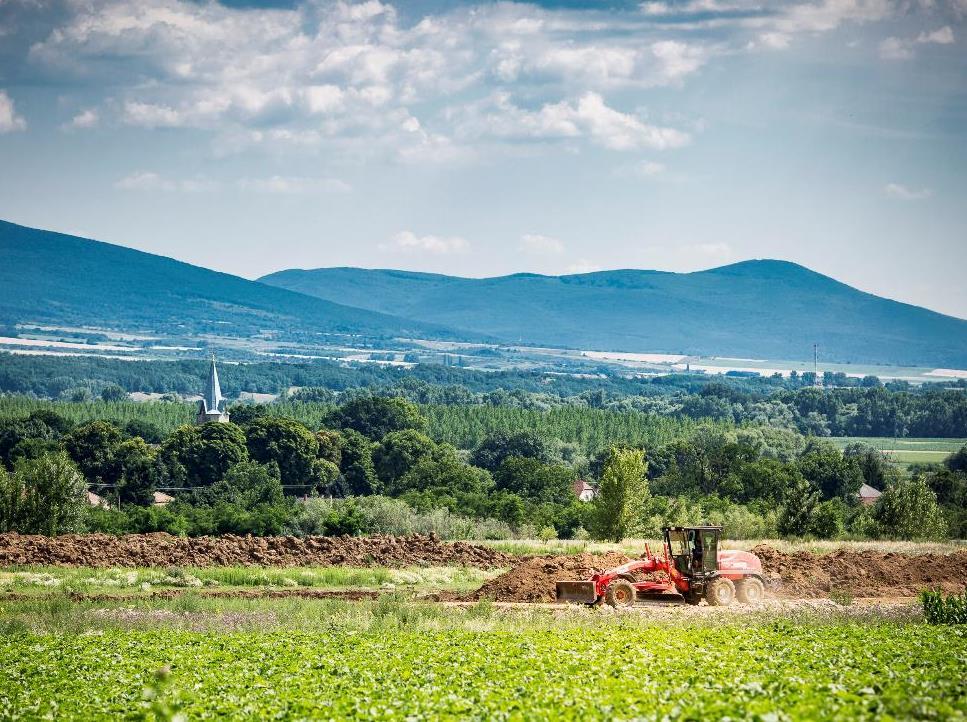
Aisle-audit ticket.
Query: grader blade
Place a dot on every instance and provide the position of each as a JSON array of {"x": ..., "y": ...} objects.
[{"x": 576, "y": 592}]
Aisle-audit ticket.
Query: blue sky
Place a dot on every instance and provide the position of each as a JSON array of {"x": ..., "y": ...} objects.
[{"x": 490, "y": 138}]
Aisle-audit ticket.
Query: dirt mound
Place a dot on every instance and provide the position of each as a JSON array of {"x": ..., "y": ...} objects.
[
  {"x": 533, "y": 579},
  {"x": 164, "y": 550},
  {"x": 862, "y": 574}
]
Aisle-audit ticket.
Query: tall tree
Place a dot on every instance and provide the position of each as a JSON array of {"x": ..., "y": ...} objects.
[
  {"x": 42, "y": 496},
  {"x": 623, "y": 495},
  {"x": 376, "y": 416}
]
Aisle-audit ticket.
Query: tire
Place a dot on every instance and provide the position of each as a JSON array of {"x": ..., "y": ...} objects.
[
  {"x": 620, "y": 593},
  {"x": 720, "y": 592},
  {"x": 750, "y": 590}
]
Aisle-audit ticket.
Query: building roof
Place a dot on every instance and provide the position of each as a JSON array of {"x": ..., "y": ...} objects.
[
  {"x": 160, "y": 498},
  {"x": 868, "y": 492},
  {"x": 96, "y": 500},
  {"x": 213, "y": 400}
]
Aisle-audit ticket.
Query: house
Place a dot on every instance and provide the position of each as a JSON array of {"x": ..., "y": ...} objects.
[
  {"x": 868, "y": 495},
  {"x": 212, "y": 406},
  {"x": 160, "y": 498},
  {"x": 583, "y": 490},
  {"x": 97, "y": 500}
]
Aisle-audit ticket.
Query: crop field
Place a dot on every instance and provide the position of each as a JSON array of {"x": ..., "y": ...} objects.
[
  {"x": 400, "y": 663},
  {"x": 907, "y": 451}
]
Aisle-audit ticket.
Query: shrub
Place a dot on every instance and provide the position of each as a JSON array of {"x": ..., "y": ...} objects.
[{"x": 940, "y": 609}]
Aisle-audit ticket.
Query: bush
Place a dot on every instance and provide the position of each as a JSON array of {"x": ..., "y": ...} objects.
[
  {"x": 45, "y": 495},
  {"x": 382, "y": 515},
  {"x": 940, "y": 609}
]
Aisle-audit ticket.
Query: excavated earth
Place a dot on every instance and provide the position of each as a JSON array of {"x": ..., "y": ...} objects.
[
  {"x": 801, "y": 575},
  {"x": 861, "y": 574},
  {"x": 165, "y": 550}
]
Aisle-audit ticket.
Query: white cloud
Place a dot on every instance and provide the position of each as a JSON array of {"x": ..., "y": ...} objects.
[
  {"x": 9, "y": 120},
  {"x": 893, "y": 48},
  {"x": 148, "y": 181},
  {"x": 409, "y": 241},
  {"x": 293, "y": 185},
  {"x": 585, "y": 117},
  {"x": 88, "y": 118},
  {"x": 904, "y": 193},
  {"x": 942, "y": 36},
  {"x": 538, "y": 243}
]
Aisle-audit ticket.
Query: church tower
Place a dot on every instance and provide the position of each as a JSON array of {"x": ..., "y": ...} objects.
[{"x": 212, "y": 405}]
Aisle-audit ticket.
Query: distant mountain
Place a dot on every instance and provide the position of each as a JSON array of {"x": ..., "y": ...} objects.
[
  {"x": 758, "y": 309},
  {"x": 54, "y": 278}
]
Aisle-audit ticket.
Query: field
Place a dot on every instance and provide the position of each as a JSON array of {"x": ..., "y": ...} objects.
[
  {"x": 476, "y": 666},
  {"x": 376, "y": 643},
  {"x": 907, "y": 451}
]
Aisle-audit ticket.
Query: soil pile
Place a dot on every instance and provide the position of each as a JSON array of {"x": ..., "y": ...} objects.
[
  {"x": 533, "y": 579},
  {"x": 165, "y": 550},
  {"x": 862, "y": 574}
]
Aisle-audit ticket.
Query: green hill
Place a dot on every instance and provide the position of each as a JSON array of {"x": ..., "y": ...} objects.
[
  {"x": 48, "y": 277},
  {"x": 758, "y": 309}
]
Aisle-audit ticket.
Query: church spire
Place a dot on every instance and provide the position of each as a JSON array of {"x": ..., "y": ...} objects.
[{"x": 212, "y": 406}]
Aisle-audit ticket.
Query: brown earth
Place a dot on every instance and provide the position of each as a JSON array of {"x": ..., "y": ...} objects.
[
  {"x": 533, "y": 579},
  {"x": 165, "y": 550},
  {"x": 801, "y": 575},
  {"x": 862, "y": 574}
]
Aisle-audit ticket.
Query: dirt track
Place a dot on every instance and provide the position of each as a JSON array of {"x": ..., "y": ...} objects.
[{"x": 164, "y": 550}]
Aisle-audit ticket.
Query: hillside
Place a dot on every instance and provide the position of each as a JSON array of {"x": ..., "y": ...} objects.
[
  {"x": 54, "y": 278},
  {"x": 759, "y": 309}
]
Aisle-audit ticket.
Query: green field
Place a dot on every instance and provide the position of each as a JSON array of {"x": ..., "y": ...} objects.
[
  {"x": 906, "y": 451},
  {"x": 617, "y": 669}
]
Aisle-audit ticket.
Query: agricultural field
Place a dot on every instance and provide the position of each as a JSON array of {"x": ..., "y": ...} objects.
[
  {"x": 425, "y": 642},
  {"x": 906, "y": 451}
]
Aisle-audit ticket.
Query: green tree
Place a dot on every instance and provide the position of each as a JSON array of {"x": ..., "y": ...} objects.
[
  {"x": 291, "y": 446},
  {"x": 908, "y": 509},
  {"x": 531, "y": 479},
  {"x": 496, "y": 447},
  {"x": 330, "y": 446},
  {"x": 94, "y": 447},
  {"x": 398, "y": 452},
  {"x": 114, "y": 393},
  {"x": 376, "y": 416},
  {"x": 218, "y": 448},
  {"x": 357, "y": 474},
  {"x": 138, "y": 472},
  {"x": 15, "y": 431},
  {"x": 831, "y": 472},
  {"x": 42, "y": 496},
  {"x": 827, "y": 519},
  {"x": 622, "y": 500},
  {"x": 799, "y": 507}
]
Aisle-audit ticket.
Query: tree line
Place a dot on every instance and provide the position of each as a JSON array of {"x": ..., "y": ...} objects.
[{"x": 249, "y": 476}]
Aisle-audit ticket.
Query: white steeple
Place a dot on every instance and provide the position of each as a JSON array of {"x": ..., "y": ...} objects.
[{"x": 212, "y": 405}]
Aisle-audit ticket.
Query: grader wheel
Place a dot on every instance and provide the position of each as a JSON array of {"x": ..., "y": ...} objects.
[
  {"x": 620, "y": 593},
  {"x": 750, "y": 590},
  {"x": 720, "y": 592}
]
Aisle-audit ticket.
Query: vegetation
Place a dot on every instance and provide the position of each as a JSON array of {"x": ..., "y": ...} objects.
[
  {"x": 496, "y": 470},
  {"x": 392, "y": 660},
  {"x": 939, "y": 608}
]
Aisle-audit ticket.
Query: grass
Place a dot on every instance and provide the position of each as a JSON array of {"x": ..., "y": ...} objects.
[
  {"x": 905, "y": 452},
  {"x": 41, "y": 580}
]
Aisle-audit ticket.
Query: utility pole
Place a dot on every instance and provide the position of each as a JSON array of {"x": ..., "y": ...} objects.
[{"x": 816, "y": 381}]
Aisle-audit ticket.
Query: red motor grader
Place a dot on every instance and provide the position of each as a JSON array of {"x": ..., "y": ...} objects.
[{"x": 692, "y": 565}]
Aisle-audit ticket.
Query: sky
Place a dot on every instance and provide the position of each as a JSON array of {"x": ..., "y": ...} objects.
[{"x": 482, "y": 139}]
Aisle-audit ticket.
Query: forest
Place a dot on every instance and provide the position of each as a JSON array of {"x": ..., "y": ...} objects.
[
  {"x": 369, "y": 461},
  {"x": 843, "y": 406}
]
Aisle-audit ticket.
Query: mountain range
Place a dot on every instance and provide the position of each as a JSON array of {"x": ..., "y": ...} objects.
[
  {"x": 52, "y": 278},
  {"x": 754, "y": 309},
  {"x": 761, "y": 309}
]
